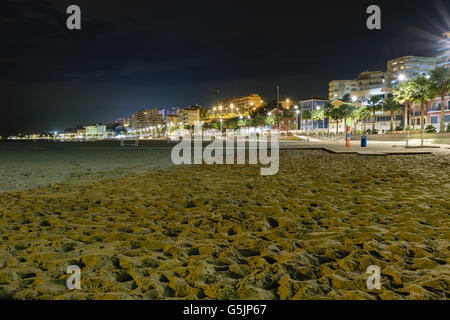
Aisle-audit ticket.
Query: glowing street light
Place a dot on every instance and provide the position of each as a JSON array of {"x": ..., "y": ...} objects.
[{"x": 401, "y": 77}]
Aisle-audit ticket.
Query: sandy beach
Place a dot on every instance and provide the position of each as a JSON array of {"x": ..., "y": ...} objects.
[{"x": 226, "y": 232}]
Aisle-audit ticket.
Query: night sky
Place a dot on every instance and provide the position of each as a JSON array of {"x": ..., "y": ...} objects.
[{"x": 135, "y": 54}]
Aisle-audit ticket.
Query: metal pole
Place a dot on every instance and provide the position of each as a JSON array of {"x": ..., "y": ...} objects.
[
  {"x": 407, "y": 137},
  {"x": 278, "y": 107}
]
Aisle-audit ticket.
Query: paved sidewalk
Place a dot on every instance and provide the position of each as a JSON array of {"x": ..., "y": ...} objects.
[{"x": 374, "y": 148}]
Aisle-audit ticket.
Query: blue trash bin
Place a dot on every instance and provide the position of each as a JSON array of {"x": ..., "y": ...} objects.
[{"x": 364, "y": 141}]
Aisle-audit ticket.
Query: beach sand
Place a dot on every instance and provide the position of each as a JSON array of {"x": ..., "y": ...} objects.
[{"x": 226, "y": 232}]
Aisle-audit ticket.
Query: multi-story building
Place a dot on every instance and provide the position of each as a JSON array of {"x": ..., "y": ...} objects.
[
  {"x": 408, "y": 68},
  {"x": 370, "y": 83},
  {"x": 314, "y": 103},
  {"x": 338, "y": 89},
  {"x": 242, "y": 104},
  {"x": 188, "y": 116},
  {"x": 95, "y": 131},
  {"x": 172, "y": 120},
  {"x": 434, "y": 112},
  {"x": 371, "y": 79},
  {"x": 444, "y": 50},
  {"x": 146, "y": 118}
]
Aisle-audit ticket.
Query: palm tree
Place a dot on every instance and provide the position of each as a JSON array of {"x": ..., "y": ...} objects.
[
  {"x": 346, "y": 112},
  {"x": 286, "y": 115},
  {"x": 317, "y": 115},
  {"x": 440, "y": 77},
  {"x": 306, "y": 115},
  {"x": 391, "y": 106},
  {"x": 422, "y": 91},
  {"x": 363, "y": 114},
  {"x": 374, "y": 105},
  {"x": 402, "y": 94},
  {"x": 337, "y": 116},
  {"x": 327, "y": 112}
]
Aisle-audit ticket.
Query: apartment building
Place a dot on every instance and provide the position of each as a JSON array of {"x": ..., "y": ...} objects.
[
  {"x": 444, "y": 50},
  {"x": 339, "y": 88},
  {"x": 367, "y": 84},
  {"x": 434, "y": 112},
  {"x": 188, "y": 116},
  {"x": 408, "y": 68},
  {"x": 146, "y": 118},
  {"x": 172, "y": 120},
  {"x": 242, "y": 103}
]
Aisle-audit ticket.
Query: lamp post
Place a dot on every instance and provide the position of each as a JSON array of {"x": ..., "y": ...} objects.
[
  {"x": 278, "y": 107},
  {"x": 297, "y": 113}
]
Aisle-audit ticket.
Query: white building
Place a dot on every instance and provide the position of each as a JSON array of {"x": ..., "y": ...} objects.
[
  {"x": 444, "y": 50},
  {"x": 409, "y": 68}
]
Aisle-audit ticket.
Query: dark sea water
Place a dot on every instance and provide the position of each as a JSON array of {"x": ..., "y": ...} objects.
[{"x": 28, "y": 164}]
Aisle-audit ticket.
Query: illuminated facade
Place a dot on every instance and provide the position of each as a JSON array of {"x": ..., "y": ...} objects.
[
  {"x": 146, "y": 118},
  {"x": 172, "y": 120},
  {"x": 444, "y": 50},
  {"x": 339, "y": 88},
  {"x": 242, "y": 103},
  {"x": 188, "y": 116},
  {"x": 409, "y": 68}
]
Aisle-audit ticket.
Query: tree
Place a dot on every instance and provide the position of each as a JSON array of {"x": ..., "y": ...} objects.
[
  {"x": 390, "y": 105},
  {"x": 374, "y": 105},
  {"x": 422, "y": 91},
  {"x": 259, "y": 121},
  {"x": 327, "y": 112},
  {"x": 317, "y": 115},
  {"x": 346, "y": 111},
  {"x": 440, "y": 77},
  {"x": 270, "y": 121},
  {"x": 230, "y": 124},
  {"x": 402, "y": 94},
  {"x": 306, "y": 115},
  {"x": 337, "y": 116},
  {"x": 363, "y": 114}
]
